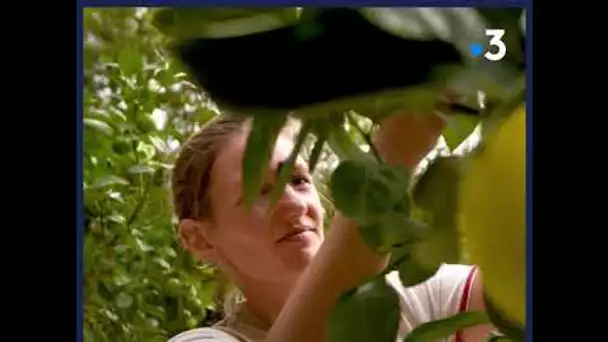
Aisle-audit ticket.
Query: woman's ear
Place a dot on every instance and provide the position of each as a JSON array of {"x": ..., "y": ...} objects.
[{"x": 194, "y": 236}]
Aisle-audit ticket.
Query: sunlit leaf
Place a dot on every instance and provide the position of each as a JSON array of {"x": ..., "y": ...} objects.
[
  {"x": 109, "y": 180},
  {"x": 141, "y": 169},
  {"x": 458, "y": 129},
  {"x": 124, "y": 300},
  {"x": 99, "y": 126}
]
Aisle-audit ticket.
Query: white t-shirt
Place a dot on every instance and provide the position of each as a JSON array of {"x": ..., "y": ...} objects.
[{"x": 443, "y": 295}]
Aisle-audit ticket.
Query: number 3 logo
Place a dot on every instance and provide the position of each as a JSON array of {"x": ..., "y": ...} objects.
[{"x": 496, "y": 41}]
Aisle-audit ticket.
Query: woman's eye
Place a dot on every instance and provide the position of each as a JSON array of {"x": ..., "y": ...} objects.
[
  {"x": 266, "y": 189},
  {"x": 300, "y": 180}
]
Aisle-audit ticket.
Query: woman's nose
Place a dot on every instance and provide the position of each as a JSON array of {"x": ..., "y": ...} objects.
[{"x": 291, "y": 204}]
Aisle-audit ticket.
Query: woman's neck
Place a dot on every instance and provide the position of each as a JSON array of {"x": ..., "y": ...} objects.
[{"x": 265, "y": 300}]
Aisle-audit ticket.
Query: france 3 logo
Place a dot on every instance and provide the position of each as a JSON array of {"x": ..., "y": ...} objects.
[{"x": 494, "y": 50}]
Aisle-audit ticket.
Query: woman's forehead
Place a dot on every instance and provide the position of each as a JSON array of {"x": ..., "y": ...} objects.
[{"x": 228, "y": 164}]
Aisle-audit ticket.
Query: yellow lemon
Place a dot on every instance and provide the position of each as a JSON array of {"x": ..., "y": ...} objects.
[{"x": 492, "y": 215}]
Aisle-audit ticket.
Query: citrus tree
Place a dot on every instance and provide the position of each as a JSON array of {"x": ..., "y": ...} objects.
[
  {"x": 138, "y": 105},
  {"x": 325, "y": 66},
  {"x": 141, "y": 102}
]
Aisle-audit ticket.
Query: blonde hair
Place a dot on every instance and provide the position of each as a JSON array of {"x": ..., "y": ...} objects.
[{"x": 192, "y": 169}]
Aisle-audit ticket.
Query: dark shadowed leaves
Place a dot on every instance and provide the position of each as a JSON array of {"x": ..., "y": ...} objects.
[
  {"x": 436, "y": 194},
  {"x": 367, "y": 313},
  {"x": 436, "y": 191},
  {"x": 515, "y": 332},
  {"x": 413, "y": 272},
  {"x": 391, "y": 231},
  {"x": 438, "y": 246},
  {"x": 436, "y": 330}
]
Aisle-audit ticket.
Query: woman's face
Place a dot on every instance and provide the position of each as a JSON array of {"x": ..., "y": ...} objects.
[{"x": 272, "y": 247}]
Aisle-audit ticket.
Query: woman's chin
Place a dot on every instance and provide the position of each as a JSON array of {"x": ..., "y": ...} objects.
[{"x": 299, "y": 254}]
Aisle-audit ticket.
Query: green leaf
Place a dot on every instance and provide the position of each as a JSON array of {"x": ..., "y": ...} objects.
[
  {"x": 124, "y": 300},
  {"x": 221, "y": 22},
  {"x": 369, "y": 312},
  {"x": 339, "y": 140},
  {"x": 412, "y": 272},
  {"x": 497, "y": 337},
  {"x": 116, "y": 218},
  {"x": 108, "y": 180},
  {"x": 130, "y": 60},
  {"x": 99, "y": 126},
  {"x": 436, "y": 330},
  {"x": 436, "y": 191},
  {"x": 416, "y": 99},
  {"x": 503, "y": 324},
  {"x": 458, "y": 128},
  {"x": 162, "y": 263},
  {"x": 138, "y": 169},
  {"x": 260, "y": 146},
  {"x": 441, "y": 245},
  {"x": 495, "y": 80},
  {"x": 88, "y": 252},
  {"x": 409, "y": 23},
  {"x": 364, "y": 189},
  {"x": 515, "y": 97},
  {"x": 322, "y": 133},
  {"x": 391, "y": 231},
  {"x": 287, "y": 169}
]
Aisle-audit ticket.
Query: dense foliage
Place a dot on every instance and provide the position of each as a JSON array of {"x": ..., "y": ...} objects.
[
  {"x": 140, "y": 104},
  {"x": 140, "y": 285}
]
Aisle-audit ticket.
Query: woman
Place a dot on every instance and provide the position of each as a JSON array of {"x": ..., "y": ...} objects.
[{"x": 289, "y": 273}]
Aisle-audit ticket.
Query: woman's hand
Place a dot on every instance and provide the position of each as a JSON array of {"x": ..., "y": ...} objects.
[{"x": 407, "y": 138}]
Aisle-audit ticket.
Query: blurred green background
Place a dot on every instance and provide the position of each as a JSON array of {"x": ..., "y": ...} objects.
[{"x": 138, "y": 106}]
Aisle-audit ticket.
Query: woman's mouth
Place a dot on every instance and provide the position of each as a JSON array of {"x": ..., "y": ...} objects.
[{"x": 298, "y": 234}]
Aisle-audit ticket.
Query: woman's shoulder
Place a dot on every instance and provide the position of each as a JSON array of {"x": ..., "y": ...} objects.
[
  {"x": 444, "y": 294},
  {"x": 447, "y": 277},
  {"x": 204, "y": 335}
]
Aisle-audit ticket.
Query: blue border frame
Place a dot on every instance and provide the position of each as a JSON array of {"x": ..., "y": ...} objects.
[
  {"x": 347, "y": 3},
  {"x": 79, "y": 175},
  {"x": 529, "y": 173}
]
